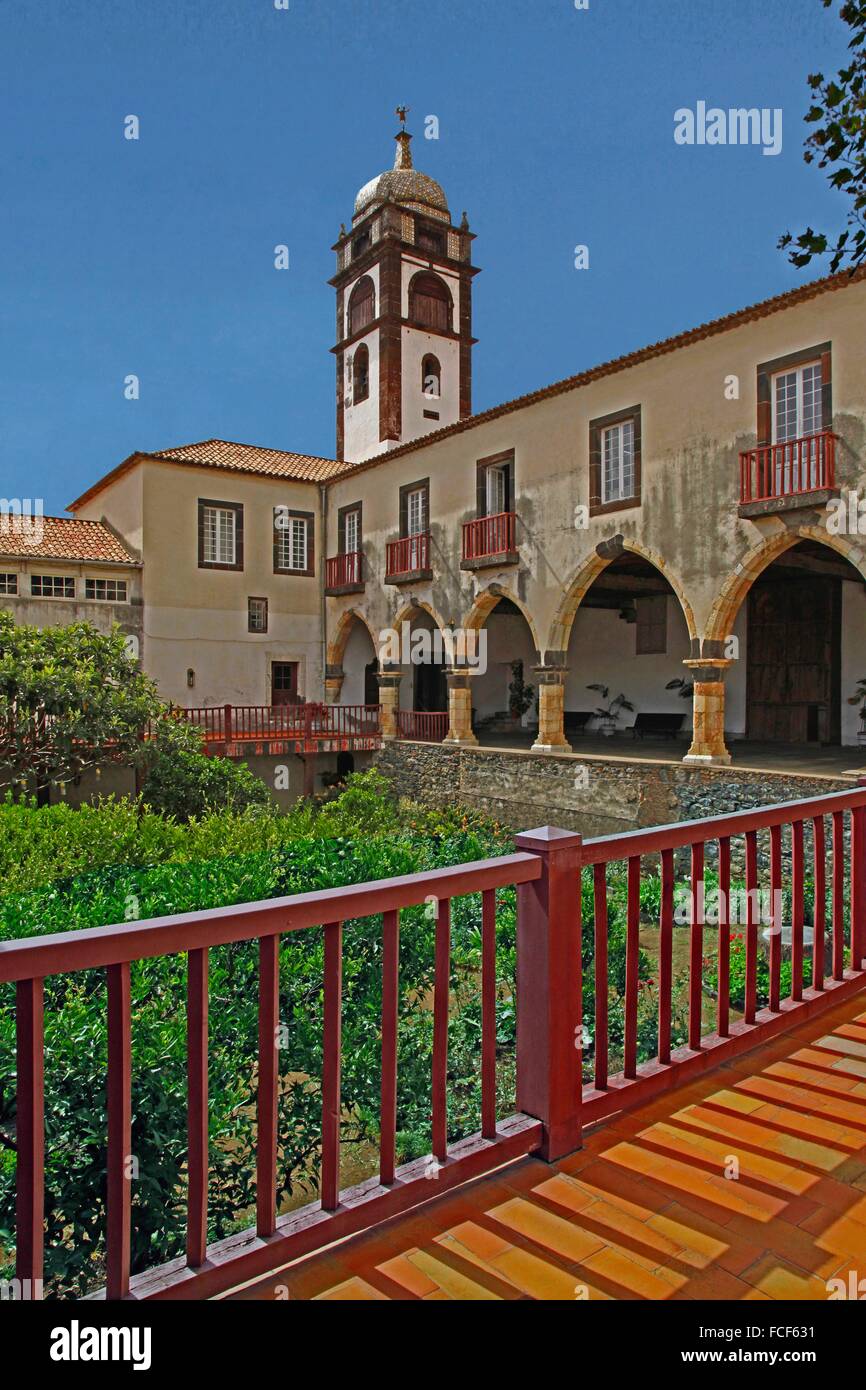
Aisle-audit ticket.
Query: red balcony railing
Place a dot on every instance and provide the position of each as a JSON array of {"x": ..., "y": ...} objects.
[
  {"x": 227, "y": 726},
  {"x": 427, "y": 726},
  {"x": 345, "y": 571},
  {"x": 790, "y": 469},
  {"x": 489, "y": 536},
  {"x": 409, "y": 555},
  {"x": 553, "y": 1100}
]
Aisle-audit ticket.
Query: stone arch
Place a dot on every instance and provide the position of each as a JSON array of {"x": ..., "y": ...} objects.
[
  {"x": 413, "y": 605},
  {"x": 337, "y": 645},
  {"x": 602, "y": 556},
  {"x": 740, "y": 581},
  {"x": 484, "y": 604}
]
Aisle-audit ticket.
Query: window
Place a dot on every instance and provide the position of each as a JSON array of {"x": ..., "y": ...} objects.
[
  {"x": 360, "y": 375},
  {"x": 497, "y": 491},
  {"x": 429, "y": 239},
  {"x": 8, "y": 583},
  {"x": 431, "y": 377},
  {"x": 362, "y": 305},
  {"x": 220, "y": 535},
  {"x": 614, "y": 461},
  {"x": 293, "y": 542},
  {"x": 350, "y": 530},
  {"x": 495, "y": 485},
  {"x": 109, "y": 590},
  {"x": 797, "y": 403},
  {"x": 416, "y": 512},
  {"x": 651, "y": 627},
  {"x": 52, "y": 586},
  {"x": 430, "y": 302},
  {"x": 414, "y": 521},
  {"x": 617, "y": 476},
  {"x": 257, "y": 615},
  {"x": 361, "y": 243},
  {"x": 795, "y": 395}
]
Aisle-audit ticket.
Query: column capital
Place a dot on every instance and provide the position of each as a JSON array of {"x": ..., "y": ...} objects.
[{"x": 707, "y": 669}]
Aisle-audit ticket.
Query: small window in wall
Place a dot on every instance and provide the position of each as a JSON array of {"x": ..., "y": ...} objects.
[
  {"x": 615, "y": 461},
  {"x": 8, "y": 583},
  {"x": 257, "y": 615},
  {"x": 495, "y": 485},
  {"x": 106, "y": 590},
  {"x": 361, "y": 375},
  {"x": 651, "y": 628},
  {"x": 52, "y": 586},
  {"x": 362, "y": 305},
  {"x": 293, "y": 542},
  {"x": 220, "y": 535},
  {"x": 361, "y": 243},
  {"x": 431, "y": 377}
]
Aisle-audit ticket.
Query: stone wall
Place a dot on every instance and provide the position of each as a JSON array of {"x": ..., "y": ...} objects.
[{"x": 591, "y": 794}]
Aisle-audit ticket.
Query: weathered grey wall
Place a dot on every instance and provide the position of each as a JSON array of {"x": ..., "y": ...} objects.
[{"x": 593, "y": 795}]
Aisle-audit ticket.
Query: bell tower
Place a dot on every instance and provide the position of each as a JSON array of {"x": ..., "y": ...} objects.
[{"x": 404, "y": 312}]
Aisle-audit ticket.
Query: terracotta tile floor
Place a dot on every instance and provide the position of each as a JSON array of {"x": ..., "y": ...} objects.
[{"x": 648, "y": 1208}]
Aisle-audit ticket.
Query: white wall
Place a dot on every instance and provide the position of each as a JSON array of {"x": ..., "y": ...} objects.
[
  {"x": 508, "y": 639},
  {"x": 602, "y": 651},
  {"x": 359, "y": 651}
]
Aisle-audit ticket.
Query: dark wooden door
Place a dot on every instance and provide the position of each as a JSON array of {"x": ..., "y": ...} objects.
[
  {"x": 431, "y": 687},
  {"x": 793, "y": 662},
  {"x": 284, "y": 682}
]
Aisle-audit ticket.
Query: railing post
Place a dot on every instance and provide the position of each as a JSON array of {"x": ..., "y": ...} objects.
[
  {"x": 549, "y": 1022},
  {"x": 227, "y": 725},
  {"x": 858, "y": 884}
]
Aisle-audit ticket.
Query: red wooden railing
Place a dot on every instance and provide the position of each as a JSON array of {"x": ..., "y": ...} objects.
[
  {"x": 273, "y": 1240},
  {"x": 343, "y": 570},
  {"x": 489, "y": 536},
  {"x": 230, "y": 725},
  {"x": 659, "y": 846},
  {"x": 408, "y": 555},
  {"x": 552, "y": 1102},
  {"x": 786, "y": 470},
  {"x": 427, "y": 726}
]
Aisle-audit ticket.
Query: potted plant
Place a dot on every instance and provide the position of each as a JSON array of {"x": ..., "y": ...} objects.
[
  {"x": 859, "y": 698},
  {"x": 608, "y": 713},
  {"x": 520, "y": 695},
  {"x": 686, "y": 688}
]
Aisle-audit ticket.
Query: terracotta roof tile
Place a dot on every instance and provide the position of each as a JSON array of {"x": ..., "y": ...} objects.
[
  {"x": 62, "y": 538},
  {"x": 233, "y": 458},
  {"x": 248, "y": 458}
]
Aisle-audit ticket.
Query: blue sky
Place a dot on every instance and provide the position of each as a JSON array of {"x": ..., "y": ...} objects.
[{"x": 258, "y": 125}]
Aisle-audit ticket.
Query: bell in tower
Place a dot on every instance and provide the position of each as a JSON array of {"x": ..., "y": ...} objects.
[{"x": 404, "y": 312}]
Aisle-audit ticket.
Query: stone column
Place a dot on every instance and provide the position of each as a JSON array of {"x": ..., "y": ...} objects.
[
  {"x": 389, "y": 699},
  {"x": 551, "y": 710},
  {"x": 708, "y": 734},
  {"x": 460, "y": 733},
  {"x": 334, "y": 676}
]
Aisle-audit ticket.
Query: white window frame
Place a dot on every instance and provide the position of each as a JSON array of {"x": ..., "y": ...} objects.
[
  {"x": 495, "y": 490},
  {"x": 220, "y": 541},
  {"x": 623, "y": 461},
  {"x": 9, "y": 582},
  {"x": 351, "y": 532},
  {"x": 416, "y": 512},
  {"x": 798, "y": 374},
  {"x": 294, "y": 546}
]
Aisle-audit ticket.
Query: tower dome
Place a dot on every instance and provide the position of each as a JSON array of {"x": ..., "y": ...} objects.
[{"x": 402, "y": 184}]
